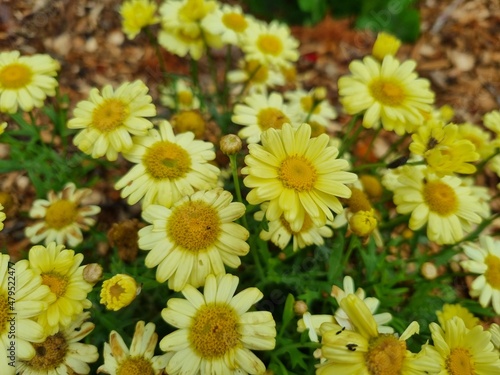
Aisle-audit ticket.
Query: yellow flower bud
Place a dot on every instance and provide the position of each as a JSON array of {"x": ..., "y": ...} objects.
[
  {"x": 386, "y": 44},
  {"x": 230, "y": 144},
  {"x": 119, "y": 291},
  {"x": 363, "y": 223}
]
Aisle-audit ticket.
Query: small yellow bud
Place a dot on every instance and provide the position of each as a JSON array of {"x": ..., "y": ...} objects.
[
  {"x": 319, "y": 94},
  {"x": 363, "y": 223},
  {"x": 429, "y": 270},
  {"x": 230, "y": 144},
  {"x": 119, "y": 291},
  {"x": 92, "y": 273},
  {"x": 386, "y": 44},
  {"x": 447, "y": 112}
]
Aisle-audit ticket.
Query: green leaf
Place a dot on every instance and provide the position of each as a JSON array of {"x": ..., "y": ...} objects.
[{"x": 288, "y": 313}]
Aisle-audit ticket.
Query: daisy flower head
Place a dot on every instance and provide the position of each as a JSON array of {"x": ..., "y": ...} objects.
[
  {"x": 447, "y": 207},
  {"x": 387, "y": 92},
  {"x": 484, "y": 260},
  {"x": 460, "y": 350},
  {"x": 168, "y": 167},
  {"x": 179, "y": 96},
  {"x": 26, "y": 81},
  {"x": 137, "y": 14},
  {"x": 480, "y": 138},
  {"x": 216, "y": 332},
  {"x": 62, "y": 216},
  {"x": 298, "y": 175},
  {"x": 119, "y": 291},
  {"x": 363, "y": 350},
  {"x": 31, "y": 298},
  {"x": 62, "y": 352},
  {"x": 60, "y": 270},
  {"x": 271, "y": 44},
  {"x": 259, "y": 113},
  {"x": 256, "y": 76},
  {"x": 109, "y": 118},
  {"x": 194, "y": 238},
  {"x": 449, "y": 311},
  {"x": 139, "y": 359},
  {"x": 311, "y": 106}
]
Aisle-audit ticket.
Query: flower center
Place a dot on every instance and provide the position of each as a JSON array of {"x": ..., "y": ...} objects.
[
  {"x": 135, "y": 366},
  {"x": 60, "y": 214},
  {"x": 194, "y": 226},
  {"x": 214, "y": 330},
  {"x": 4, "y": 310},
  {"x": 185, "y": 97},
  {"x": 307, "y": 103},
  {"x": 256, "y": 71},
  {"x": 56, "y": 282},
  {"x": 305, "y": 227},
  {"x": 50, "y": 353},
  {"x": 358, "y": 201},
  {"x": 440, "y": 198},
  {"x": 15, "y": 76},
  {"x": 385, "y": 355},
  {"x": 271, "y": 118},
  {"x": 388, "y": 93},
  {"x": 189, "y": 121},
  {"x": 109, "y": 115},
  {"x": 166, "y": 160},
  {"x": 492, "y": 274},
  {"x": 235, "y": 21},
  {"x": 296, "y": 172},
  {"x": 270, "y": 44},
  {"x": 459, "y": 362}
]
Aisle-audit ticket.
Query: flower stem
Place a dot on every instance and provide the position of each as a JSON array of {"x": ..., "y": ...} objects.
[{"x": 237, "y": 187}]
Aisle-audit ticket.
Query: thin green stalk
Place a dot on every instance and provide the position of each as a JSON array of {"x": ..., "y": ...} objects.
[
  {"x": 237, "y": 187},
  {"x": 353, "y": 243},
  {"x": 348, "y": 138}
]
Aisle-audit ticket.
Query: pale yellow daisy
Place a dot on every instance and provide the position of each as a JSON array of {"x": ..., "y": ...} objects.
[
  {"x": 280, "y": 233},
  {"x": 310, "y": 106},
  {"x": 450, "y": 310},
  {"x": 256, "y": 76},
  {"x": 387, "y": 92},
  {"x": 484, "y": 261},
  {"x": 119, "y": 291},
  {"x": 364, "y": 350},
  {"x": 139, "y": 359},
  {"x": 271, "y": 44},
  {"x": 26, "y": 81},
  {"x": 216, "y": 331},
  {"x": 17, "y": 309},
  {"x": 261, "y": 112},
  {"x": 168, "y": 167},
  {"x": 180, "y": 96},
  {"x": 460, "y": 350},
  {"x": 63, "y": 216},
  {"x": 62, "y": 352},
  {"x": 108, "y": 119},
  {"x": 60, "y": 270},
  {"x": 137, "y": 14},
  {"x": 194, "y": 238},
  {"x": 298, "y": 175},
  {"x": 480, "y": 138},
  {"x": 447, "y": 207}
]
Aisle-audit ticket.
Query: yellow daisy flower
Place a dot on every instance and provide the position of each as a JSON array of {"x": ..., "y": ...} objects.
[
  {"x": 259, "y": 113},
  {"x": 109, "y": 118},
  {"x": 297, "y": 175},
  {"x": 216, "y": 331},
  {"x": 139, "y": 359},
  {"x": 257, "y": 77},
  {"x": 137, "y": 14},
  {"x": 179, "y": 96},
  {"x": 447, "y": 207},
  {"x": 17, "y": 310},
  {"x": 389, "y": 92},
  {"x": 62, "y": 352},
  {"x": 168, "y": 167},
  {"x": 280, "y": 233},
  {"x": 460, "y": 350},
  {"x": 2, "y": 216},
  {"x": 485, "y": 261},
  {"x": 119, "y": 291},
  {"x": 194, "y": 238},
  {"x": 480, "y": 138},
  {"x": 25, "y": 81},
  {"x": 364, "y": 350},
  {"x": 62, "y": 216},
  {"x": 61, "y": 271},
  {"x": 449, "y": 311},
  {"x": 310, "y": 107},
  {"x": 271, "y": 44}
]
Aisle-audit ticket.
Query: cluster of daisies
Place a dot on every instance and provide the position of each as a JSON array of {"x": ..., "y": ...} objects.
[{"x": 298, "y": 176}]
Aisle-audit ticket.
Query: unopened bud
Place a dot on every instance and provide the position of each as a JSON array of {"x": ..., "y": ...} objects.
[
  {"x": 230, "y": 144},
  {"x": 429, "y": 270},
  {"x": 386, "y": 44},
  {"x": 319, "y": 94},
  {"x": 300, "y": 307},
  {"x": 363, "y": 223},
  {"x": 92, "y": 273}
]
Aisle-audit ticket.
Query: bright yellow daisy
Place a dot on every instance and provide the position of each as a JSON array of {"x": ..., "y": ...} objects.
[
  {"x": 449, "y": 311},
  {"x": 261, "y": 112},
  {"x": 61, "y": 271},
  {"x": 62, "y": 352},
  {"x": 297, "y": 174},
  {"x": 364, "y": 350},
  {"x": 484, "y": 261},
  {"x": 139, "y": 359},
  {"x": 168, "y": 167},
  {"x": 194, "y": 238},
  {"x": 109, "y": 118},
  {"x": 460, "y": 350},
  {"x": 216, "y": 331},
  {"x": 17, "y": 309},
  {"x": 62, "y": 216},
  {"x": 447, "y": 207},
  {"x": 119, "y": 291},
  {"x": 26, "y": 81},
  {"x": 387, "y": 92},
  {"x": 137, "y": 14}
]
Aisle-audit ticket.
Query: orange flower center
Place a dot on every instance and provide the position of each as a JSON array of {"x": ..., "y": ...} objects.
[
  {"x": 440, "y": 198},
  {"x": 270, "y": 44},
  {"x": 109, "y": 115},
  {"x": 56, "y": 282},
  {"x": 387, "y": 92},
  {"x": 15, "y": 76},
  {"x": 61, "y": 214},
  {"x": 49, "y": 354},
  {"x": 166, "y": 160},
  {"x": 492, "y": 274},
  {"x": 271, "y": 118},
  {"x": 297, "y": 173},
  {"x": 135, "y": 366},
  {"x": 235, "y": 21},
  {"x": 385, "y": 355},
  {"x": 459, "y": 362}
]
